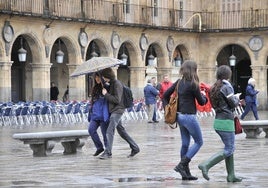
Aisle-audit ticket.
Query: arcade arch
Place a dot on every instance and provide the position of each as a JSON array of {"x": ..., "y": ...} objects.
[{"x": 241, "y": 71}]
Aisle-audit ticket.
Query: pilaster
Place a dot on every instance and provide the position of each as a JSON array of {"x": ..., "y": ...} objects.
[
  {"x": 40, "y": 81},
  {"x": 259, "y": 73},
  {"x": 5, "y": 80}
]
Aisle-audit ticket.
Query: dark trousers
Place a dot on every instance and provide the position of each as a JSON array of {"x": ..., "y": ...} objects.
[
  {"x": 115, "y": 122},
  {"x": 92, "y": 130},
  {"x": 250, "y": 106}
]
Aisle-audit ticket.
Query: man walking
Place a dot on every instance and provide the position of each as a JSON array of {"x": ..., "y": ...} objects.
[
  {"x": 150, "y": 94},
  {"x": 116, "y": 110}
]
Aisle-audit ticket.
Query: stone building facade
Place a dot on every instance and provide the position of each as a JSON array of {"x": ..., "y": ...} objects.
[{"x": 206, "y": 31}]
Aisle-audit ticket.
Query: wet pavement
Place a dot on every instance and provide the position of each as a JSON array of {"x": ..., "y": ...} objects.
[{"x": 151, "y": 168}]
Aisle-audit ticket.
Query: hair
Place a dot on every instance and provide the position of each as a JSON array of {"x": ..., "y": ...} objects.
[
  {"x": 189, "y": 72},
  {"x": 224, "y": 72},
  {"x": 165, "y": 75},
  {"x": 96, "y": 91},
  {"x": 108, "y": 73},
  {"x": 251, "y": 81}
]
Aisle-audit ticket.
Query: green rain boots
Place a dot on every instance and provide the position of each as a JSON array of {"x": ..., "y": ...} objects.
[
  {"x": 229, "y": 161},
  {"x": 206, "y": 165}
]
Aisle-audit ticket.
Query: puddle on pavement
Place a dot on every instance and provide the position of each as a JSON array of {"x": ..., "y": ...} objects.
[
  {"x": 26, "y": 183},
  {"x": 142, "y": 179}
]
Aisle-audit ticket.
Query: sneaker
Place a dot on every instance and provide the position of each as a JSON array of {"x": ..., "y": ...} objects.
[
  {"x": 105, "y": 155},
  {"x": 156, "y": 121},
  {"x": 99, "y": 151},
  {"x": 133, "y": 153},
  {"x": 150, "y": 122}
]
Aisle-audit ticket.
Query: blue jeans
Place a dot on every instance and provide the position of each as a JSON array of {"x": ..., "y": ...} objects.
[
  {"x": 189, "y": 127},
  {"x": 228, "y": 139},
  {"x": 155, "y": 115},
  {"x": 92, "y": 130}
]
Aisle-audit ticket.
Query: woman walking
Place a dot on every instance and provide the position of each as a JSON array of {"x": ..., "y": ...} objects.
[
  {"x": 188, "y": 93},
  {"x": 251, "y": 99},
  {"x": 223, "y": 101},
  {"x": 98, "y": 116}
]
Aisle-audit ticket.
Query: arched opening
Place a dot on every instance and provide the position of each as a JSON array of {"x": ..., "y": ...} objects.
[
  {"x": 241, "y": 68},
  {"x": 180, "y": 55},
  {"x": 21, "y": 71},
  {"x": 96, "y": 48},
  {"x": 123, "y": 72},
  {"x": 59, "y": 72}
]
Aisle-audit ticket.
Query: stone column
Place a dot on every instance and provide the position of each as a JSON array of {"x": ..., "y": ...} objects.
[
  {"x": 207, "y": 74},
  {"x": 150, "y": 72},
  {"x": 40, "y": 81},
  {"x": 137, "y": 81},
  {"x": 5, "y": 81},
  {"x": 175, "y": 74},
  {"x": 77, "y": 85},
  {"x": 259, "y": 73},
  {"x": 165, "y": 70}
]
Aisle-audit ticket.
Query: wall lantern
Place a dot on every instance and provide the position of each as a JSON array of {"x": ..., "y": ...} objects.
[
  {"x": 93, "y": 53},
  {"x": 151, "y": 58},
  {"x": 232, "y": 62},
  {"x": 59, "y": 55},
  {"x": 124, "y": 56},
  {"x": 232, "y": 58},
  {"x": 22, "y": 52},
  {"x": 177, "y": 61}
]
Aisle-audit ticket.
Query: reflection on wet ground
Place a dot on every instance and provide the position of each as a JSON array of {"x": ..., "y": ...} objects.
[{"x": 152, "y": 167}]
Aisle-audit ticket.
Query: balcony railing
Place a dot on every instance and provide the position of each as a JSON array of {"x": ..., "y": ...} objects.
[{"x": 136, "y": 15}]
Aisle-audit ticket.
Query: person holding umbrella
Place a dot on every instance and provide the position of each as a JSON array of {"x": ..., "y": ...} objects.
[{"x": 116, "y": 110}]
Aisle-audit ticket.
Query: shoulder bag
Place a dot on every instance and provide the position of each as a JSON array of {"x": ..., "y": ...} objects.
[{"x": 171, "y": 109}]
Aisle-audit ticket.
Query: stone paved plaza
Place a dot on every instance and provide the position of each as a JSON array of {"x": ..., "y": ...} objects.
[{"x": 151, "y": 168}]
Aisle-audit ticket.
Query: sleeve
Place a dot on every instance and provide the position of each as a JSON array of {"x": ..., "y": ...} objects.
[
  {"x": 252, "y": 92},
  {"x": 231, "y": 99},
  {"x": 155, "y": 91},
  {"x": 168, "y": 93},
  {"x": 200, "y": 98},
  {"x": 116, "y": 96}
]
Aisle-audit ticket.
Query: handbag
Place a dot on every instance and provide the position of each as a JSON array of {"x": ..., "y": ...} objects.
[
  {"x": 237, "y": 124},
  {"x": 171, "y": 109}
]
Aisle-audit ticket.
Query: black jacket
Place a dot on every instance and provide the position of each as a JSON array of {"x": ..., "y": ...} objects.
[
  {"x": 114, "y": 97},
  {"x": 226, "y": 102},
  {"x": 188, "y": 94}
]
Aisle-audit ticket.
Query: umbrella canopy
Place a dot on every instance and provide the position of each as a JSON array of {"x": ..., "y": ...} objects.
[{"x": 95, "y": 64}]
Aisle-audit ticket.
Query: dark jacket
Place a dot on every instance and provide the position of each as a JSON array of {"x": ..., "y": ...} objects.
[
  {"x": 188, "y": 94},
  {"x": 54, "y": 92},
  {"x": 150, "y": 93},
  {"x": 227, "y": 102},
  {"x": 251, "y": 94},
  {"x": 114, "y": 97}
]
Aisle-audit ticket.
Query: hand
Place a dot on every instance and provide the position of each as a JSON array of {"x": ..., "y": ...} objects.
[
  {"x": 203, "y": 92},
  {"x": 104, "y": 91}
]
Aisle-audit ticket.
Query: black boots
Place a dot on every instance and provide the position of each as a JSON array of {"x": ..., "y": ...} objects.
[{"x": 183, "y": 169}]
